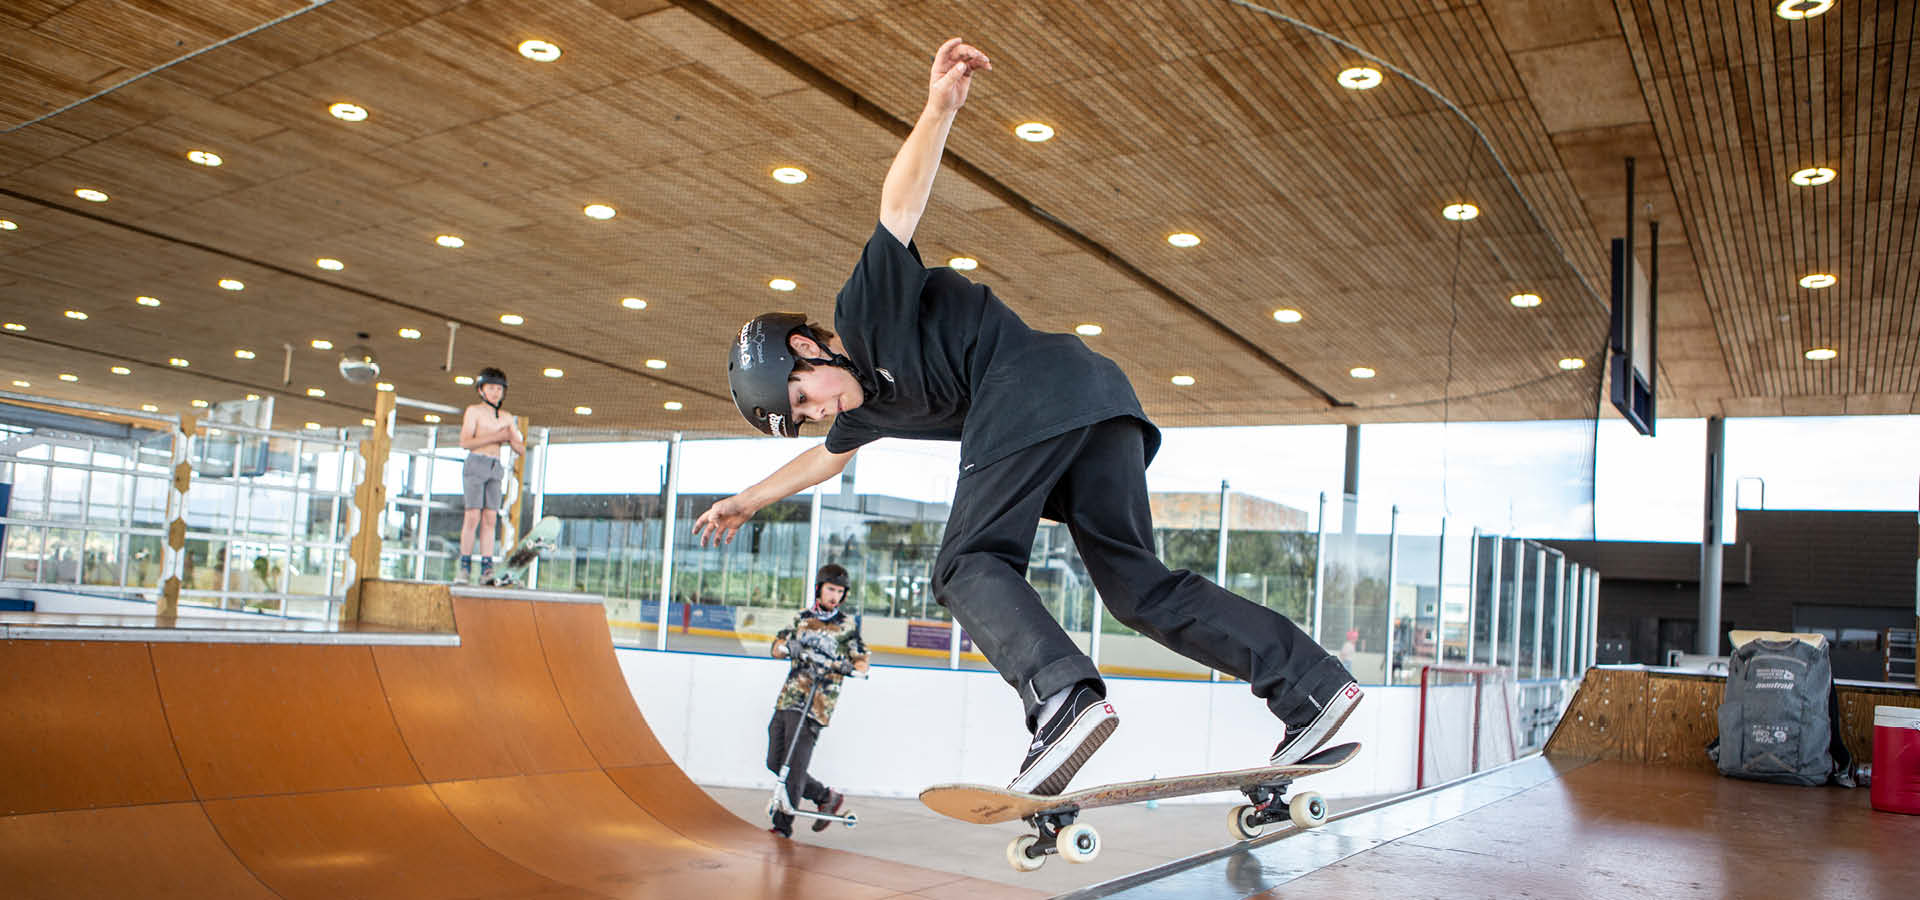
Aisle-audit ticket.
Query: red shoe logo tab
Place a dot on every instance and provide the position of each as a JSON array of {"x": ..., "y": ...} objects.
[
  {"x": 1108, "y": 707},
  {"x": 1352, "y": 691}
]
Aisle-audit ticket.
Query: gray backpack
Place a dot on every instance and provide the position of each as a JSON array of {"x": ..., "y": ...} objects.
[{"x": 1776, "y": 721}]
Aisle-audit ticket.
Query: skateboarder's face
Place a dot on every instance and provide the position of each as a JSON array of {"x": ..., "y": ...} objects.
[{"x": 821, "y": 392}]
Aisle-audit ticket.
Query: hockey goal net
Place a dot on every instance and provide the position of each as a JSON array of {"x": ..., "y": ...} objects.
[{"x": 1466, "y": 721}]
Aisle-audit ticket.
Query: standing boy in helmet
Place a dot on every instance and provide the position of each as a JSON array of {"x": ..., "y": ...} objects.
[
  {"x": 833, "y": 635},
  {"x": 484, "y": 430},
  {"x": 1046, "y": 427}
]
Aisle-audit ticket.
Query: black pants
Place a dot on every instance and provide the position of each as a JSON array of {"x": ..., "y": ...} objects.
[
  {"x": 1094, "y": 480},
  {"x": 781, "y": 732}
]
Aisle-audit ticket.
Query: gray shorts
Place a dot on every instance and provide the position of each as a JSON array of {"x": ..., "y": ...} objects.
[{"x": 480, "y": 481}]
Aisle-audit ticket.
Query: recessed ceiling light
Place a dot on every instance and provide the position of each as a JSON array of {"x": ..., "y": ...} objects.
[
  {"x": 68, "y": 376},
  {"x": 1359, "y": 78},
  {"x": 329, "y": 263},
  {"x": 243, "y": 354},
  {"x": 76, "y": 314},
  {"x": 512, "y": 319},
  {"x": 253, "y": 396},
  {"x": 178, "y": 363},
  {"x": 671, "y": 405},
  {"x": 367, "y": 422},
  {"x": 232, "y": 284},
  {"x": 539, "y": 51},
  {"x": 583, "y": 410},
  {"x": 411, "y": 334},
  {"x": 1801, "y": 9},
  {"x": 551, "y": 372},
  {"x": 1570, "y": 363},
  {"x": 1822, "y": 353},
  {"x": 1524, "y": 301},
  {"x": 147, "y": 301},
  {"x": 963, "y": 264},
  {"x": 599, "y": 211},
  {"x": 1087, "y": 329},
  {"x": 1183, "y": 380},
  {"x": 322, "y": 344},
  {"x": 8, "y": 225},
  {"x": 1361, "y": 372},
  {"x": 450, "y": 241},
  {"x": 1461, "y": 212},
  {"x": 316, "y": 392},
  {"x": 18, "y": 383},
  {"x": 91, "y": 194},
  {"x": 463, "y": 380},
  {"x": 121, "y": 370},
  {"x": 148, "y": 407},
  {"x": 385, "y": 387},
  {"x": 1818, "y": 280},
  {"x": 656, "y": 364},
  {"x": 199, "y": 404},
  {"x": 1183, "y": 239},
  {"x": 313, "y": 426},
  {"x": 1035, "y": 132},
  {"x": 789, "y": 175},
  {"x": 348, "y": 112},
  {"x": 1812, "y": 176},
  {"x": 1286, "y": 316},
  {"x": 782, "y": 284},
  {"x": 204, "y": 158},
  {"x": 430, "y": 417},
  {"x": 633, "y": 303},
  {"x": 15, "y": 326}
]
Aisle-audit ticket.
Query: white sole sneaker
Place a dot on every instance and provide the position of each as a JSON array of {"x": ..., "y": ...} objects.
[
  {"x": 1331, "y": 717},
  {"x": 1057, "y": 765}
]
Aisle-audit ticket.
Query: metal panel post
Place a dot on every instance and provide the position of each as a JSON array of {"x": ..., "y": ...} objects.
[{"x": 668, "y": 526}]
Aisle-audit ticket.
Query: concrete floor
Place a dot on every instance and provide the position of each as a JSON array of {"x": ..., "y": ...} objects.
[{"x": 1135, "y": 837}]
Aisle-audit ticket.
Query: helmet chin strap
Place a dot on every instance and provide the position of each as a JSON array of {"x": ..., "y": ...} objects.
[{"x": 496, "y": 406}]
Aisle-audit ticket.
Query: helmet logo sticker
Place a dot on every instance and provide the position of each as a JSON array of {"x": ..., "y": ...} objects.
[{"x": 778, "y": 424}]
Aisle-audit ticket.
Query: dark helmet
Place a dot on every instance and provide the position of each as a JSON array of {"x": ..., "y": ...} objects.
[
  {"x": 831, "y": 573},
  {"x": 490, "y": 375},
  {"x": 757, "y": 370}
]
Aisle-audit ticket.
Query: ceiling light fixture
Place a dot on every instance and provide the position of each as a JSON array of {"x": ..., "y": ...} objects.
[
  {"x": 1820, "y": 354},
  {"x": 199, "y": 404},
  {"x": 202, "y": 157},
  {"x": 76, "y": 314},
  {"x": 633, "y": 303},
  {"x": 1034, "y": 132},
  {"x": 243, "y": 354},
  {"x": 8, "y": 225},
  {"x": 178, "y": 363},
  {"x": 384, "y": 387},
  {"x": 599, "y": 211},
  {"x": 1287, "y": 316},
  {"x": 91, "y": 194},
  {"x": 463, "y": 380},
  {"x": 15, "y": 326},
  {"x": 583, "y": 410},
  {"x": 1183, "y": 380},
  {"x": 367, "y": 422},
  {"x": 671, "y": 405},
  {"x": 1461, "y": 212},
  {"x": 1359, "y": 78},
  {"x": 1812, "y": 176},
  {"x": 1361, "y": 372},
  {"x": 431, "y": 418},
  {"x": 551, "y": 372},
  {"x": 782, "y": 284},
  {"x": 329, "y": 263},
  {"x": 147, "y": 301},
  {"x": 450, "y": 241},
  {"x": 1524, "y": 301},
  {"x": 316, "y": 392},
  {"x": 1818, "y": 280},
  {"x": 512, "y": 319},
  {"x": 1571, "y": 363},
  {"x": 347, "y": 112},
  {"x": 18, "y": 383},
  {"x": 232, "y": 284},
  {"x": 121, "y": 370},
  {"x": 539, "y": 51},
  {"x": 313, "y": 426},
  {"x": 789, "y": 175},
  {"x": 1801, "y": 9},
  {"x": 656, "y": 364},
  {"x": 322, "y": 344},
  {"x": 68, "y": 376},
  {"x": 411, "y": 334},
  {"x": 1183, "y": 239},
  {"x": 963, "y": 264},
  {"x": 148, "y": 407},
  {"x": 1087, "y": 329}
]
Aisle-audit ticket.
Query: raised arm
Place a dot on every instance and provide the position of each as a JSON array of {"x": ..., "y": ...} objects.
[
  {"x": 903, "y": 199},
  {"x": 722, "y": 520}
]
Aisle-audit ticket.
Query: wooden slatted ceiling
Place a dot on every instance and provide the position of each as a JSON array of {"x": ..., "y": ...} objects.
[{"x": 1195, "y": 115}]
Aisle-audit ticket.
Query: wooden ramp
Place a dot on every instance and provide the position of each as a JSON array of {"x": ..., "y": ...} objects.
[{"x": 515, "y": 764}]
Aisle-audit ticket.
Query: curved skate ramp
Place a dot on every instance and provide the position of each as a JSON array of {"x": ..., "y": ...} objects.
[{"x": 156, "y": 762}]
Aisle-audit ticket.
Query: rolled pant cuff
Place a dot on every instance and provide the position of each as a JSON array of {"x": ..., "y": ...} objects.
[{"x": 1055, "y": 677}]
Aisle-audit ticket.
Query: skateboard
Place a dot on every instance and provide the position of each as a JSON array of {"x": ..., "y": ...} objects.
[
  {"x": 512, "y": 570},
  {"x": 1052, "y": 817}
]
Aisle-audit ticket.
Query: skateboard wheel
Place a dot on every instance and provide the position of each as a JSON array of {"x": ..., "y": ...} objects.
[
  {"x": 1079, "y": 843},
  {"x": 1243, "y": 822},
  {"x": 1307, "y": 810},
  {"x": 1017, "y": 854},
  {"x": 852, "y": 820}
]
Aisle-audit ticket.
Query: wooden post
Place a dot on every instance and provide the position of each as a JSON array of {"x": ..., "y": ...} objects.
[
  {"x": 370, "y": 498},
  {"x": 172, "y": 565}
]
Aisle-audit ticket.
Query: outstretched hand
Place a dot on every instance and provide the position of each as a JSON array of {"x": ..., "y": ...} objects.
[
  {"x": 953, "y": 67},
  {"x": 721, "y": 522}
]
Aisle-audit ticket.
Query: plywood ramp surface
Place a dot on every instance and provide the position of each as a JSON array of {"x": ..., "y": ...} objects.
[{"x": 514, "y": 765}]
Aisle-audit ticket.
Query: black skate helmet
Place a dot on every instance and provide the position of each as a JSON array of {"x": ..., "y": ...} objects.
[
  {"x": 758, "y": 366},
  {"x": 491, "y": 375},
  {"x": 831, "y": 573}
]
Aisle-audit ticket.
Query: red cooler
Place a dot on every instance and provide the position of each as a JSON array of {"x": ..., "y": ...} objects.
[{"x": 1896, "y": 760}]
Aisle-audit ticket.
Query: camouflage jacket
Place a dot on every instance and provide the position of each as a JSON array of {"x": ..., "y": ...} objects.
[{"x": 837, "y": 638}]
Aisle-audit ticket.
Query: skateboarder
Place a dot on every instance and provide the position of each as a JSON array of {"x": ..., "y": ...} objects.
[
  {"x": 827, "y": 630},
  {"x": 483, "y": 431},
  {"x": 1046, "y": 427}
]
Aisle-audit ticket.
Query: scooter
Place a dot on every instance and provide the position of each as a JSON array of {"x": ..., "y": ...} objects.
[{"x": 818, "y": 666}]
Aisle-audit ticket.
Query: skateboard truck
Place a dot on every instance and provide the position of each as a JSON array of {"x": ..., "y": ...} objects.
[
  {"x": 1267, "y": 803},
  {"x": 1056, "y": 832}
]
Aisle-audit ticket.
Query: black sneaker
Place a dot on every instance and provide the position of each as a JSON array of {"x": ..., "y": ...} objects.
[
  {"x": 1311, "y": 735},
  {"x": 832, "y": 806},
  {"x": 1064, "y": 742}
]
